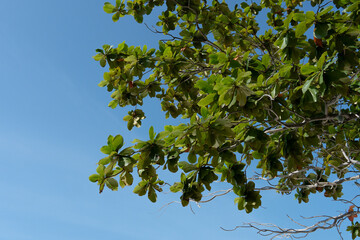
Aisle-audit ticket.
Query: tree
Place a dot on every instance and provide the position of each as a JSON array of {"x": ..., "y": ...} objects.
[{"x": 282, "y": 97}]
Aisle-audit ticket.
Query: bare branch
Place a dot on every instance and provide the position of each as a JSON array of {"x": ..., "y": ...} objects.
[
  {"x": 215, "y": 195},
  {"x": 327, "y": 222}
]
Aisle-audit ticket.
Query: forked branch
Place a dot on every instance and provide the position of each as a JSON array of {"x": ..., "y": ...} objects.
[{"x": 275, "y": 231}]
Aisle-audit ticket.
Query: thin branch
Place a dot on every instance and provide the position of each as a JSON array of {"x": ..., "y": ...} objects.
[
  {"x": 347, "y": 118},
  {"x": 215, "y": 195},
  {"x": 309, "y": 186},
  {"x": 271, "y": 229}
]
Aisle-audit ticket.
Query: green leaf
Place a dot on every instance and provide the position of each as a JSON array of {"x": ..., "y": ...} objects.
[
  {"x": 205, "y": 86},
  {"x": 204, "y": 112},
  {"x": 285, "y": 71},
  {"x": 107, "y": 47},
  {"x": 307, "y": 69},
  {"x": 306, "y": 85},
  {"x": 299, "y": 17},
  {"x": 108, "y": 7},
  {"x": 310, "y": 16},
  {"x": 167, "y": 53},
  {"x": 100, "y": 169},
  {"x": 117, "y": 143},
  {"x": 94, "y": 177},
  {"x": 313, "y": 92},
  {"x": 151, "y": 133},
  {"x": 106, "y": 149},
  {"x": 242, "y": 93},
  {"x": 127, "y": 118},
  {"x": 110, "y": 140},
  {"x": 275, "y": 91},
  {"x": 327, "y": 171},
  {"x": 141, "y": 188},
  {"x": 128, "y": 179},
  {"x": 131, "y": 59},
  {"x": 130, "y": 125},
  {"x": 222, "y": 57},
  {"x": 324, "y": 11},
  {"x": 139, "y": 18},
  {"x": 266, "y": 60},
  {"x": 285, "y": 42},
  {"x": 98, "y": 56},
  {"x": 321, "y": 61},
  {"x": 331, "y": 129},
  {"x": 104, "y": 161},
  {"x": 301, "y": 29},
  {"x": 213, "y": 59},
  {"x": 241, "y": 203},
  {"x": 109, "y": 169},
  {"x": 241, "y": 99},
  {"x": 207, "y": 100},
  {"x": 234, "y": 64},
  {"x": 243, "y": 75},
  {"x": 152, "y": 195},
  {"x": 176, "y": 187},
  {"x": 288, "y": 20},
  {"x": 113, "y": 104},
  {"x": 102, "y": 84},
  {"x": 116, "y": 17},
  {"x": 127, "y": 151}
]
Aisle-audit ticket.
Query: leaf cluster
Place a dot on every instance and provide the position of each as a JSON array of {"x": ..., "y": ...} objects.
[{"x": 285, "y": 98}]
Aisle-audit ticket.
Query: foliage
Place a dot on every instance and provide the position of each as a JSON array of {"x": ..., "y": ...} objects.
[{"x": 284, "y": 97}]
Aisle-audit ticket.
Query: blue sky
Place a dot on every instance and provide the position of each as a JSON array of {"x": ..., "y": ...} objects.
[{"x": 54, "y": 118}]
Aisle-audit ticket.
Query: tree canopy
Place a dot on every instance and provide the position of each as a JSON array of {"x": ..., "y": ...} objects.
[{"x": 281, "y": 96}]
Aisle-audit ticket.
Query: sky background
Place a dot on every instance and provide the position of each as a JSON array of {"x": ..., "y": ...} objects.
[{"x": 54, "y": 119}]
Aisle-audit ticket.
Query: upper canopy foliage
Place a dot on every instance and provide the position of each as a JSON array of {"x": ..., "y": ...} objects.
[{"x": 254, "y": 94}]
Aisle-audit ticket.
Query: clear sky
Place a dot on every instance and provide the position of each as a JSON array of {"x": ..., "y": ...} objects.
[{"x": 54, "y": 119}]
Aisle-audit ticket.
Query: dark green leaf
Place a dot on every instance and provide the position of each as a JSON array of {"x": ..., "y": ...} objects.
[
  {"x": 103, "y": 62},
  {"x": 112, "y": 184},
  {"x": 192, "y": 157},
  {"x": 186, "y": 167},
  {"x": 321, "y": 30}
]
